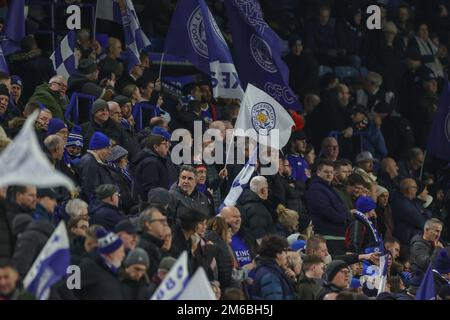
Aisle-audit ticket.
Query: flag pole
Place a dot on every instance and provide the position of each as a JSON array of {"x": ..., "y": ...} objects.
[
  {"x": 423, "y": 164},
  {"x": 160, "y": 66}
]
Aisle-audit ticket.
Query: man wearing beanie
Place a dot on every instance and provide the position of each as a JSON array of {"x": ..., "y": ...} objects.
[
  {"x": 57, "y": 126},
  {"x": 337, "y": 278},
  {"x": 94, "y": 170},
  {"x": 358, "y": 235},
  {"x": 99, "y": 269},
  {"x": 104, "y": 210},
  {"x": 52, "y": 95},
  {"x": 134, "y": 277},
  {"x": 74, "y": 145},
  {"x": 424, "y": 247}
]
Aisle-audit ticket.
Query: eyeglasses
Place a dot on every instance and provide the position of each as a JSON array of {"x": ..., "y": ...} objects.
[{"x": 61, "y": 84}]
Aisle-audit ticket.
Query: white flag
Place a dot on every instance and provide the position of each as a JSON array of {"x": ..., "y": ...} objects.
[
  {"x": 198, "y": 288},
  {"x": 175, "y": 281},
  {"x": 50, "y": 265},
  {"x": 263, "y": 117},
  {"x": 24, "y": 163}
]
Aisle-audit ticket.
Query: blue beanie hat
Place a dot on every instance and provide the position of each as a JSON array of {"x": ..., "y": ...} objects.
[
  {"x": 365, "y": 204},
  {"x": 442, "y": 263},
  {"x": 55, "y": 125},
  {"x": 99, "y": 141},
  {"x": 162, "y": 132},
  {"x": 75, "y": 138},
  {"x": 107, "y": 242}
]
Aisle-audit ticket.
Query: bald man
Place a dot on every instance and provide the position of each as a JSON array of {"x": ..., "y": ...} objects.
[{"x": 242, "y": 243}]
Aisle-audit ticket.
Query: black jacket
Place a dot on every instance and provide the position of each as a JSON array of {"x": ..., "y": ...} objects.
[
  {"x": 151, "y": 171},
  {"x": 224, "y": 258},
  {"x": 152, "y": 246},
  {"x": 98, "y": 281},
  {"x": 180, "y": 201},
  {"x": 256, "y": 217},
  {"x": 105, "y": 214},
  {"x": 30, "y": 244},
  {"x": 6, "y": 233},
  {"x": 421, "y": 253},
  {"x": 111, "y": 129},
  {"x": 135, "y": 290},
  {"x": 93, "y": 174}
]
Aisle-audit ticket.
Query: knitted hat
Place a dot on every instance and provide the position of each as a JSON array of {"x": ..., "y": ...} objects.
[
  {"x": 4, "y": 90},
  {"x": 16, "y": 80},
  {"x": 107, "y": 242},
  {"x": 381, "y": 190},
  {"x": 75, "y": 137},
  {"x": 121, "y": 100},
  {"x": 55, "y": 125},
  {"x": 162, "y": 132},
  {"x": 117, "y": 152},
  {"x": 105, "y": 191},
  {"x": 334, "y": 267},
  {"x": 137, "y": 256},
  {"x": 98, "y": 105},
  {"x": 158, "y": 197},
  {"x": 303, "y": 222},
  {"x": 442, "y": 263},
  {"x": 99, "y": 141},
  {"x": 87, "y": 66},
  {"x": 167, "y": 263},
  {"x": 364, "y": 156},
  {"x": 365, "y": 204}
]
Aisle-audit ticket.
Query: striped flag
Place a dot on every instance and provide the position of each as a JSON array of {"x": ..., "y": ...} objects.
[
  {"x": 198, "y": 287},
  {"x": 51, "y": 264},
  {"x": 64, "y": 56}
]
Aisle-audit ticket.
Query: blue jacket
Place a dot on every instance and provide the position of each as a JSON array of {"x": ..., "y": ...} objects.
[
  {"x": 299, "y": 167},
  {"x": 93, "y": 174},
  {"x": 105, "y": 215},
  {"x": 328, "y": 213},
  {"x": 409, "y": 218},
  {"x": 371, "y": 139},
  {"x": 42, "y": 214},
  {"x": 271, "y": 282}
]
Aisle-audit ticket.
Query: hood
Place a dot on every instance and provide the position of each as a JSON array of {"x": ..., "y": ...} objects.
[
  {"x": 249, "y": 196},
  {"x": 266, "y": 262},
  {"x": 75, "y": 79},
  {"x": 25, "y": 56},
  {"x": 418, "y": 238},
  {"x": 41, "y": 226}
]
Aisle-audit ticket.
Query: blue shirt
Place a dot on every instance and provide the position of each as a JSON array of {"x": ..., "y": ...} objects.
[
  {"x": 300, "y": 168},
  {"x": 241, "y": 250}
]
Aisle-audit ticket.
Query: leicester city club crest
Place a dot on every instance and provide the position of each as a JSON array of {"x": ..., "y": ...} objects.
[
  {"x": 263, "y": 118},
  {"x": 262, "y": 54},
  {"x": 197, "y": 34}
]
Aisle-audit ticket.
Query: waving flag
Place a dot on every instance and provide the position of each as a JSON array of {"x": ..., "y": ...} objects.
[
  {"x": 175, "y": 281},
  {"x": 257, "y": 51},
  {"x": 14, "y": 27},
  {"x": 194, "y": 35},
  {"x": 24, "y": 163},
  {"x": 439, "y": 138},
  {"x": 241, "y": 180},
  {"x": 108, "y": 10},
  {"x": 427, "y": 290},
  {"x": 135, "y": 38},
  {"x": 261, "y": 115},
  {"x": 64, "y": 56},
  {"x": 51, "y": 264},
  {"x": 3, "y": 64},
  {"x": 198, "y": 288}
]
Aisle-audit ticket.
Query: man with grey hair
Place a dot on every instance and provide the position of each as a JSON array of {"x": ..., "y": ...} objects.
[
  {"x": 256, "y": 215},
  {"x": 55, "y": 147},
  {"x": 52, "y": 95},
  {"x": 76, "y": 208},
  {"x": 374, "y": 95},
  {"x": 424, "y": 247},
  {"x": 411, "y": 166},
  {"x": 152, "y": 224}
]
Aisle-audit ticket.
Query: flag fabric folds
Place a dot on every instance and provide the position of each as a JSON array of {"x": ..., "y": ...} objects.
[
  {"x": 14, "y": 27},
  {"x": 63, "y": 57},
  {"x": 50, "y": 265},
  {"x": 3, "y": 63},
  {"x": 195, "y": 35},
  {"x": 439, "y": 138},
  {"x": 175, "y": 281},
  {"x": 427, "y": 290},
  {"x": 198, "y": 287},
  {"x": 257, "y": 51},
  {"x": 261, "y": 115},
  {"x": 24, "y": 163}
]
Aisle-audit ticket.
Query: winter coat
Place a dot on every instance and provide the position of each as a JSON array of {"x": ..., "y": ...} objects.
[
  {"x": 111, "y": 129},
  {"x": 152, "y": 171},
  {"x": 6, "y": 233},
  {"x": 307, "y": 288},
  {"x": 224, "y": 258},
  {"x": 105, "y": 214},
  {"x": 30, "y": 244},
  {"x": 98, "y": 281},
  {"x": 180, "y": 201},
  {"x": 255, "y": 215},
  {"x": 421, "y": 254},
  {"x": 93, "y": 174},
  {"x": 52, "y": 100},
  {"x": 135, "y": 290},
  {"x": 328, "y": 213},
  {"x": 270, "y": 282},
  {"x": 152, "y": 246}
]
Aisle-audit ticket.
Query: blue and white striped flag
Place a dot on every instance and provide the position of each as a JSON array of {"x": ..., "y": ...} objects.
[
  {"x": 135, "y": 38},
  {"x": 108, "y": 10},
  {"x": 3, "y": 64},
  {"x": 51, "y": 264},
  {"x": 241, "y": 180},
  {"x": 175, "y": 281},
  {"x": 198, "y": 288},
  {"x": 64, "y": 58}
]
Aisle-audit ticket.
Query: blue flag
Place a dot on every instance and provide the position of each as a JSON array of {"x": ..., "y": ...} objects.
[
  {"x": 51, "y": 264},
  {"x": 14, "y": 27},
  {"x": 3, "y": 64},
  {"x": 439, "y": 138},
  {"x": 63, "y": 57},
  {"x": 135, "y": 38},
  {"x": 257, "y": 51},
  {"x": 427, "y": 290},
  {"x": 194, "y": 35}
]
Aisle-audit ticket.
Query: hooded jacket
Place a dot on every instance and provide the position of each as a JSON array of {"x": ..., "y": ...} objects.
[{"x": 52, "y": 100}]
